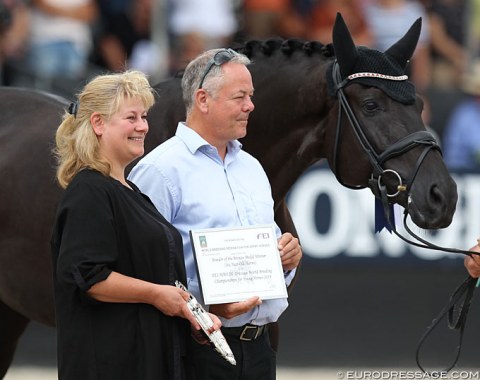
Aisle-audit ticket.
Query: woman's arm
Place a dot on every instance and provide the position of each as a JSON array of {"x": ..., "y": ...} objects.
[{"x": 170, "y": 300}]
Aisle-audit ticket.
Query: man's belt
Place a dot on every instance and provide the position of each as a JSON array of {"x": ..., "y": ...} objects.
[{"x": 246, "y": 333}]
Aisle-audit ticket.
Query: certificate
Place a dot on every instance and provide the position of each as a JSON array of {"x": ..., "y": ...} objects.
[{"x": 237, "y": 263}]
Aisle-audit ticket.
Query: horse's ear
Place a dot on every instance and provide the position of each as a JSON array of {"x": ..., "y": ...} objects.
[
  {"x": 403, "y": 49},
  {"x": 345, "y": 49}
]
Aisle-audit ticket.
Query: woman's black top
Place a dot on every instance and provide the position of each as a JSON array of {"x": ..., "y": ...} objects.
[{"x": 102, "y": 226}]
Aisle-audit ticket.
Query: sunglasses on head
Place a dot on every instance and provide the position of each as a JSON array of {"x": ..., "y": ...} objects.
[{"x": 221, "y": 57}]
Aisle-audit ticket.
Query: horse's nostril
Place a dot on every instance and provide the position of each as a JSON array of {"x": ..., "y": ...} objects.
[{"x": 436, "y": 196}]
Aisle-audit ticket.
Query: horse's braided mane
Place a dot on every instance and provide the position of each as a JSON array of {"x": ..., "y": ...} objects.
[{"x": 286, "y": 46}]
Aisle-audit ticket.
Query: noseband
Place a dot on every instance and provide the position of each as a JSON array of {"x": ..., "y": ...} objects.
[{"x": 463, "y": 294}]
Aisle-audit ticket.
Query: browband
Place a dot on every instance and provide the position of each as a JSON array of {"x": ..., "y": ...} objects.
[
  {"x": 377, "y": 75},
  {"x": 398, "y": 78}
]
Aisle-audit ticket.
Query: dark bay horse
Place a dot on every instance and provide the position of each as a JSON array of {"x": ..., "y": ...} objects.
[{"x": 303, "y": 114}]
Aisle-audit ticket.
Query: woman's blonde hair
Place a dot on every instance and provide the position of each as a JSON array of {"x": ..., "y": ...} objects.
[{"x": 77, "y": 146}]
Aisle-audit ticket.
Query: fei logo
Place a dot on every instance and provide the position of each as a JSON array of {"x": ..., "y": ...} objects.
[{"x": 264, "y": 235}]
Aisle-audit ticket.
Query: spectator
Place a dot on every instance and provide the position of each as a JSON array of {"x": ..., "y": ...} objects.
[
  {"x": 185, "y": 48},
  {"x": 388, "y": 20},
  {"x": 60, "y": 39},
  {"x": 462, "y": 134},
  {"x": 322, "y": 17},
  {"x": 447, "y": 19},
  {"x": 107, "y": 9},
  {"x": 125, "y": 42},
  {"x": 111, "y": 8},
  {"x": 263, "y": 19},
  {"x": 196, "y": 26},
  {"x": 14, "y": 29}
]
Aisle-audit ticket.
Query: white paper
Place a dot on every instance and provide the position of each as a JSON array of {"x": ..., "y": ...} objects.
[{"x": 237, "y": 263}]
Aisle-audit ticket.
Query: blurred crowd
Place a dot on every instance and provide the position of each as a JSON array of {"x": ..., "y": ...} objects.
[{"x": 55, "y": 45}]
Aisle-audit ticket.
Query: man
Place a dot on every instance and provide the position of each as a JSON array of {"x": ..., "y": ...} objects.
[{"x": 200, "y": 178}]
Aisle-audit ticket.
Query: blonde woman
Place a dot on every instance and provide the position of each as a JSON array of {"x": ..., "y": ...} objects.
[{"x": 115, "y": 257}]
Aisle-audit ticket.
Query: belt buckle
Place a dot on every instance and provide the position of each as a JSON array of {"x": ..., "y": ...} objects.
[{"x": 245, "y": 329}]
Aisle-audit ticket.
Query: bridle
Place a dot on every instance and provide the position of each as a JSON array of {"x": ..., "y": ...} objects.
[
  {"x": 377, "y": 160},
  {"x": 376, "y": 183}
]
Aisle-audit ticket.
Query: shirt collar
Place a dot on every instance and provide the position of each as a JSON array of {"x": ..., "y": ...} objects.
[{"x": 194, "y": 141}]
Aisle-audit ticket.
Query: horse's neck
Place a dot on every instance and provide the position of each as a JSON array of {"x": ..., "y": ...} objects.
[
  {"x": 284, "y": 166},
  {"x": 287, "y": 157},
  {"x": 166, "y": 113},
  {"x": 288, "y": 126}
]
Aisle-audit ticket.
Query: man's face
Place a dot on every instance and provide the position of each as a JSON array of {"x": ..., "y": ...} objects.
[{"x": 230, "y": 108}]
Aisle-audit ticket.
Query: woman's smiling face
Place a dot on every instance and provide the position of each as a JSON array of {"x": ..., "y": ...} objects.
[{"x": 122, "y": 136}]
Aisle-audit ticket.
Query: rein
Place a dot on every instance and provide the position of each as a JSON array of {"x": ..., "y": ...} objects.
[{"x": 421, "y": 138}]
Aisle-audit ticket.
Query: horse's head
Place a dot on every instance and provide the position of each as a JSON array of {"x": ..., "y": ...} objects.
[{"x": 379, "y": 113}]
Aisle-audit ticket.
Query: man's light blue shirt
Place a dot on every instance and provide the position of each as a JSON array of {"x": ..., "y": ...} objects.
[{"x": 194, "y": 188}]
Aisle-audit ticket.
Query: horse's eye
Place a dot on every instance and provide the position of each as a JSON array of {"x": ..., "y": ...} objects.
[{"x": 370, "y": 106}]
